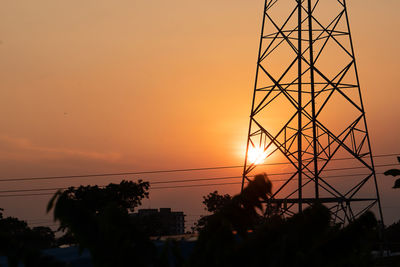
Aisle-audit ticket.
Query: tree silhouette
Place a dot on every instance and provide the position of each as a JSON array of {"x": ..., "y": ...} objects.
[
  {"x": 43, "y": 237},
  {"x": 233, "y": 235},
  {"x": 99, "y": 221},
  {"x": 66, "y": 239},
  {"x": 214, "y": 202},
  {"x": 216, "y": 243},
  {"x": 21, "y": 244},
  {"x": 394, "y": 173}
]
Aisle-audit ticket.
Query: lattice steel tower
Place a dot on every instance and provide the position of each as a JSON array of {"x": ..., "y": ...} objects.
[{"x": 307, "y": 109}]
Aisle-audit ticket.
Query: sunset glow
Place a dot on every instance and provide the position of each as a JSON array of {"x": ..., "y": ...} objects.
[
  {"x": 257, "y": 155},
  {"x": 115, "y": 87}
]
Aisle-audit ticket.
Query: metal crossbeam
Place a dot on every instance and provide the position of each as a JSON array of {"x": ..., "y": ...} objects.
[{"x": 307, "y": 108}]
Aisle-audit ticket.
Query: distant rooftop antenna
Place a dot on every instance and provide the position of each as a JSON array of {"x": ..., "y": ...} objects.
[{"x": 307, "y": 108}]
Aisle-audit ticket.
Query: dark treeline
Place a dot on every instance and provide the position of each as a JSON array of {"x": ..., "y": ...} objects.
[
  {"x": 20, "y": 243},
  {"x": 97, "y": 219}
]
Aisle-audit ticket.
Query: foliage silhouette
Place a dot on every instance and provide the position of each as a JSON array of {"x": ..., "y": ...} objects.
[
  {"x": 394, "y": 173},
  {"x": 66, "y": 239},
  {"x": 392, "y": 234},
  {"x": 233, "y": 235},
  {"x": 216, "y": 243},
  {"x": 45, "y": 237},
  {"x": 214, "y": 202},
  {"x": 21, "y": 244},
  {"x": 99, "y": 221}
]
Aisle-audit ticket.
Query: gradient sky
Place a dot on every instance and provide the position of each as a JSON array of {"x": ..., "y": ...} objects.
[{"x": 108, "y": 86}]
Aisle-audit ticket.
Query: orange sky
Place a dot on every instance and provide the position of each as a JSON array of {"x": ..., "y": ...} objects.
[{"x": 107, "y": 86}]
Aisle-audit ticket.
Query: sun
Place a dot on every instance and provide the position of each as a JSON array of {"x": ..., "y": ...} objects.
[{"x": 256, "y": 155}]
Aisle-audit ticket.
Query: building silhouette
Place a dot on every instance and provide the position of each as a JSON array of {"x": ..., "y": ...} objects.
[{"x": 160, "y": 222}]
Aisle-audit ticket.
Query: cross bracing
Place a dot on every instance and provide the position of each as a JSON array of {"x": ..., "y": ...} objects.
[{"x": 307, "y": 107}]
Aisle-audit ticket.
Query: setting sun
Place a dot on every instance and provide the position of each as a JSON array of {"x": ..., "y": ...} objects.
[{"x": 256, "y": 155}]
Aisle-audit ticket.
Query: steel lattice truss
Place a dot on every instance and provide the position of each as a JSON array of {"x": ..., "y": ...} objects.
[{"x": 307, "y": 106}]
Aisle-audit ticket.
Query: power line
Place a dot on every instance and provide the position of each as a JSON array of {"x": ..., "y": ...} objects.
[
  {"x": 157, "y": 171},
  {"x": 165, "y": 187},
  {"x": 208, "y": 179},
  {"x": 176, "y": 181},
  {"x": 112, "y": 174}
]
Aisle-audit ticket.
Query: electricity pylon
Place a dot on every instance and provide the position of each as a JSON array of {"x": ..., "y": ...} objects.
[{"x": 307, "y": 107}]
